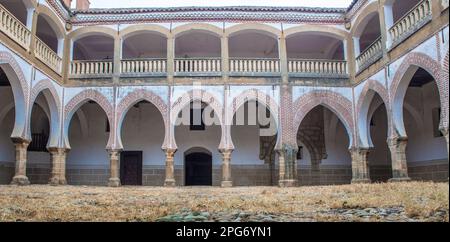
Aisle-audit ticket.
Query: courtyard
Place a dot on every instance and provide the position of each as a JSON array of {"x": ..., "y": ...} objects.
[{"x": 405, "y": 202}]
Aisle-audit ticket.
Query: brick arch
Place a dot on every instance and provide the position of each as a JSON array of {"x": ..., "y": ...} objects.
[
  {"x": 253, "y": 95},
  {"x": 196, "y": 95},
  {"x": 20, "y": 89},
  {"x": 337, "y": 103},
  {"x": 54, "y": 105},
  {"x": 364, "y": 102},
  {"x": 132, "y": 98},
  {"x": 445, "y": 77},
  {"x": 81, "y": 98},
  {"x": 8, "y": 58},
  {"x": 399, "y": 85}
]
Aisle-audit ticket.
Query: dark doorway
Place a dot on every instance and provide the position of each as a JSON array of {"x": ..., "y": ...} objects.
[
  {"x": 198, "y": 169},
  {"x": 131, "y": 168}
]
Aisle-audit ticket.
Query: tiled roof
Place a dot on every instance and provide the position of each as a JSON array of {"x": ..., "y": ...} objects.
[{"x": 219, "y": 14}]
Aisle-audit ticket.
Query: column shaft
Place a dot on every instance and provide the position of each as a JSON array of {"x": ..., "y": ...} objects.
[
  {"x": 58, "y": 176},
  {"x": 114, "y": 180},
  {"x": 170, "y": 170},
  {"x": 360, "y": 165},
  {"x": 20, "y": 177},
  {"x": 397, "y": 146},
  {"x": 226, "y": 168}
]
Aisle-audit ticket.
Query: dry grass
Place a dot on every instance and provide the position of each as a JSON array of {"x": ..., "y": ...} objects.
[{"x": 420, "y": 201}]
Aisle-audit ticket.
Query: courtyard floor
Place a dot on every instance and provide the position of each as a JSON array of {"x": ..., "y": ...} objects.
[{"x": 414, "y": 201}]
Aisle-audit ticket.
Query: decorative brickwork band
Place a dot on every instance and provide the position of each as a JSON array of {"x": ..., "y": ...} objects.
[
  {"x": 58, "y": 166},
  {"x": 20, "y": 177},
  {"x": 170, "y": 176},
  {"x": 397, "y": 146},
  {"x": 114, "y": 157},
  {"x": 287, "y": 156},
  {"x": 360, "y": 165},
  {"x": 226, "y": 168}
]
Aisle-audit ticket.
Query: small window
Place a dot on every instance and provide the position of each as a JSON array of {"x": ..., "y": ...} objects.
[
  {"x": 199, "y": 125},
  {"x": 108, "y": 128},
  {"x": 436, "y": 113},
  {"x": 300, "y": 153}
]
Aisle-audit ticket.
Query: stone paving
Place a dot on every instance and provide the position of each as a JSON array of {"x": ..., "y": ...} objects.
[{"x": 408, "y": 202}]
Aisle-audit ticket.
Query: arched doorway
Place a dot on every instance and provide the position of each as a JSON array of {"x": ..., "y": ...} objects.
[{"x": 198, "y": 167}]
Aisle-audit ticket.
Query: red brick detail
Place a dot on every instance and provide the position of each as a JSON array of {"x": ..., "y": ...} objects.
[
  {"x": 431, "y": 66},
  {"x": 337, "y": 103}
]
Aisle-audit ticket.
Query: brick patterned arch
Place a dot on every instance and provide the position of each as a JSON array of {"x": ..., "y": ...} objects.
[
  {"x": 186, "y": 99},
  {"x": 6, "y": 57},
  {"x": 363, "y": 102},
  {"x": 445, "y": 77},
  {"x": 20, "y": 89},
  {"x": 337, "y": 103},
  {"x": 54, "y": 104},
  {"x": 253, "y": 95},
  {"x": 45, "y": 84},
  {"x": 132, "y": 98},
  {"x": 81, "y": 98},
  {"x": 396, "y": 93}
]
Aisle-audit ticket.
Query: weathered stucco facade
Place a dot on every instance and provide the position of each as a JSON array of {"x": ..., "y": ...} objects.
[{"x": 365, "y": 100}]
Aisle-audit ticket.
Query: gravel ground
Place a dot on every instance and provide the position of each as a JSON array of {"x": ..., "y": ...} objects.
[{"x": 413, "y": 201}]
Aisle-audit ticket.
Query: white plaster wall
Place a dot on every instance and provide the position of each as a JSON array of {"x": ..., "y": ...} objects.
[
  {"x": 7, "y": 153},
  {"x": 143, "y": 130},
  {"x": 336, "y": 141},
  {"x": 89, "y": 150},
  {"x": 422, "y": 145}
]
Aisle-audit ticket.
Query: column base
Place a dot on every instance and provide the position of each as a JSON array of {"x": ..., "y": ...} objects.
[
  {"x": 169, "y": 183},
  {"x": 20, "y": 181},
  {"x": 114, "y": 182},
  {"x": 55, "y": 181},
  {"x": 226, "y": 184},
  {"x": 400, "y": 179},
  {"x": 287, "y": 183},
  {"x": 361, "y": 181}
]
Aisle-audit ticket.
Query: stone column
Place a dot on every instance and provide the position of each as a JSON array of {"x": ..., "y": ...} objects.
[
  {"x": 114, "y": 159},
  {"x": 170, "y": 170},
  {"x": 283, "y": 58},
  {"x": 20, "y": 177},
  {"x": 397, "y": 146},
  {"x": 58, "y": 166},
  {"x": 33, "y": 33},
  {"x": 287, "y": 162},
  {"x": 117, "y": 59},
  {"x": 226, "y": 168},
  {"x": 170, "y": 57},
  {"x": 444, "y": 132},
  {"x": 360, "y": 165},
  {"x": 225, "y": 58}
]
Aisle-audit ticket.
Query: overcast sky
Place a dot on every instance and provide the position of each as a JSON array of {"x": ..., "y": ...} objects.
[{"x": 178, "y": 3}]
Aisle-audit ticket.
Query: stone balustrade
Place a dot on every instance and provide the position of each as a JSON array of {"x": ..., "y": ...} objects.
[
  {"x": 47, "y": 55},
  {"x": 371, "y": 54},
  {"x": 14, "y": 29},
  {"x": 257, "y": 65},
  {"x": 143, "y": 66},
  {"x": 91, "y": 68},
  {"x": 198, "y": 65},
  {"x": 317, "y": 67},
  {"x": 413, "y": 20}
]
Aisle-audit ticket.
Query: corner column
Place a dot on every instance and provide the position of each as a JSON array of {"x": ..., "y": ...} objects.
[
  {"x": 114, "y": 159},
  {"x": 288, "y": 167},
  {"x": 397, "y": 146},
  {"x": 58, "y": 166},
  {"x": 225, "y": 58},
  {"x": 170, "y": 170},
  {"x": 444, "y": 132},
  {"x": 226, "y": 168},
  {"x": 360, "y": 165},
  {"x": 20, "y": 177}
]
